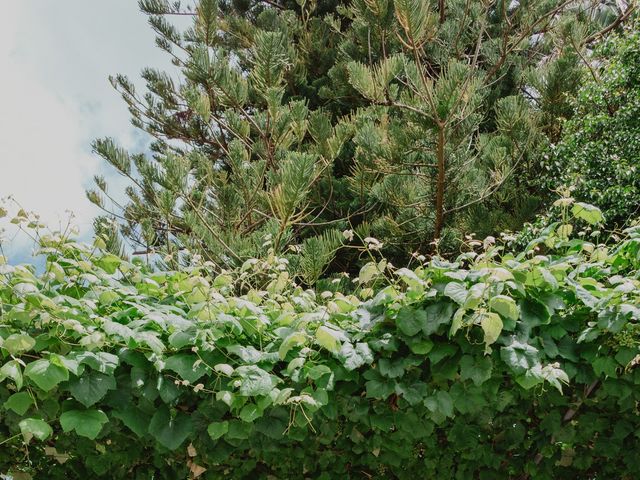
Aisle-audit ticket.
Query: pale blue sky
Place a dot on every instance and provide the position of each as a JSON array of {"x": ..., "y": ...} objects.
[{"x": 55, "y": 98}]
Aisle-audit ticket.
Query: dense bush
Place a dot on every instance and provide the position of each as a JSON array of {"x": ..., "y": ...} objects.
[
  {"x": 600, "y": 149},
  {"x": 491, "y": 366}
]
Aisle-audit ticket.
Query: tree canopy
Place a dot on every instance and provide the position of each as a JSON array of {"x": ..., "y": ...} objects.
[{"x": 293, "y": 121}]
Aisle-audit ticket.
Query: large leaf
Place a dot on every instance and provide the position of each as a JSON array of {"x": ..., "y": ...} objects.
[
  {"x": 410, "y": 321},
  {"x": 12, "y": 370},
  {"x": 19, "y": 402},
  {"x": 328, "y": 338},
  {"x": 440, "y": 405},
  {"x": 507, "y": 308},
  {"x": 534, "y": 313},
  {"x": 254, "y": 381},
  {"x": 217, "y": 429},
  {"x": 34, "y": 427},
  {"x": 135, "y": 419},
  {"x": 45, "y": 374},
  {"x": 477, "y": 369},
  {"x": 170, "y": 431},
  {"x": 589, "y": 213},
  {"x": 103, "y": 362},
  {"x": 456, "y": 291},
  {"x": 519, "y": 356},
  {"x": 439, "y": 313},
  {"x": 18, "y": 342},
  {"x": 292, "y": 340},
  {"x": 86, "y": 423},
  {"x": 491, "y": 324},
  {"x": 187, "y": 365},
  {"x": 91, "y": 387},
  {"x": 355, "y": 357}
]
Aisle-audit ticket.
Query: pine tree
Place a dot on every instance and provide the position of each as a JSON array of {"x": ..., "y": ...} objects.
[{"x": 293, "y": 121}]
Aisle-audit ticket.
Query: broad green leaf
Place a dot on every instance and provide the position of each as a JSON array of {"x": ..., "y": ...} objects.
[
  {"x": 292, "y": 340},
  {"x": 103, "y": 362},
  {"x": 239, "y": 430},
  {"x": 419, "y": 346},
  {"x": 250, "y": 412},
  {"x": 414, "y": 393},
  {"x": 109, "y": 263},
  {"x": 91, "y": 387},
  {"x": 589, "y": 213},
  {"x": 411, "y": 321},
  {"x": 507, "y": 308},
  {"x": 440, "y": 405},
  {"x": 12, "y": 370},
  {"x": 491, "y": 324},
  {"x": 530, "y": 378},
  {"x": 439, "y": 313},
  {"x": 328, "y": 338},
  {"x": 167, "y": 389},
  {"x": 477, "y": 369},
  {"x": 34, "y": 427},
  {"x": 45, "y": 374},
  {"x": 457, "y": 322},
  {"x": 318, "y": 371},
  {"x": 605, "y": 366},
  {"x": 135, "y": 420},
  {"x": 187, "y": 365},
  {"x": 19, "y": 402},
  {"x": 18, "y": 342},
  {"x": 86, "y": 423},
  {"x": 254, "y": 381},
  {"x": 217, "y": 429},
  {"x": 519, "y": 356},
  {"x": 170, "y": 431},
  {"x": 225, "y": 396},
  {"x": 368, "y": 272},
  {"x": 456, "y": 291},
  {"x": 534, "y": 313},
  {"x": 380, "y": 389},
  {"x": 390, "y": 369}
]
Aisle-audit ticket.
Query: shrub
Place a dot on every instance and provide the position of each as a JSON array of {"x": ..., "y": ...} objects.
[{"x": 494, "y": 365}]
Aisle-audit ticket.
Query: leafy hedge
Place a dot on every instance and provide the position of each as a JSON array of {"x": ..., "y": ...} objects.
[{"x": 491, "y": 366}]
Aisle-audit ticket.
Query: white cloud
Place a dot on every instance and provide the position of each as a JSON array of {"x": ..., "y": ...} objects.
[{"x": 55, "y": 98}]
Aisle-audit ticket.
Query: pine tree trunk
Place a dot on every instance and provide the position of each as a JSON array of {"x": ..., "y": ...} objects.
[
  {"x": 440, "y": 182},
  {"x": 441, "y": 11}
]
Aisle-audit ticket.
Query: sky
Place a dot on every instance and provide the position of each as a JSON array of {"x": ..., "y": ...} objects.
[{"x": 55, "y": 98}]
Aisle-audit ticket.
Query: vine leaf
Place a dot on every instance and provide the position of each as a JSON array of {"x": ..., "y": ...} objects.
[
  {"x": 91, "y": 388},
  {"x": 170, "y": 431},
  {"x": 45, "y": 374},
  {"x": 86, "y": 423},
  {"x": 34, "y": 427}
]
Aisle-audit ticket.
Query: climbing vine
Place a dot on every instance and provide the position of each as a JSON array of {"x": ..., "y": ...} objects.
[{"x": 493, "y": 365}]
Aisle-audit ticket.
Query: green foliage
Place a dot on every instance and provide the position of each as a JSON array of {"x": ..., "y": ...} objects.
[
  {"x": 599, "y": 152},
  {"x": 493, "y": 365},
  {"x": 292, "y": 121}
]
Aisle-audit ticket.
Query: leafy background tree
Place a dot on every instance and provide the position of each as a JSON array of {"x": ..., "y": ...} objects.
[
  {"x": 599, "y": 152},
  {"x": 407, "y": 120}
]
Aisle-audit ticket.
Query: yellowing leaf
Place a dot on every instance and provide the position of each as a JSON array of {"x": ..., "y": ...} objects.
[
  {"x": 328, "y": 338},
  {"x": 491, "y": 324}
]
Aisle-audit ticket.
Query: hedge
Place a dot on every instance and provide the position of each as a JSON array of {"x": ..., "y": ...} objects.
[{"x": 494, "y": 365}]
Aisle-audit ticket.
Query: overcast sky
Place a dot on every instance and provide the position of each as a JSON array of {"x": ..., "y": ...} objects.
[{"x": 55, "y": 98}]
